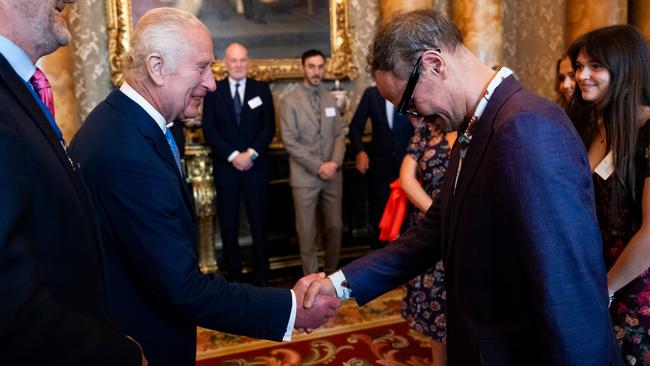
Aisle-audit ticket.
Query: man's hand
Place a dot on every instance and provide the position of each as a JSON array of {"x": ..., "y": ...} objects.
[
  {"x": 242, "y": 161},
  {"x": 362, "y": 162},
  {"x": 327, "y": 170},
  {"x": 321, "y": 309},
  {"x": 323, "y": 287}
]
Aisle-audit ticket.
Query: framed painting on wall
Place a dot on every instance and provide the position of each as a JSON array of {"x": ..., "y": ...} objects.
[{"x": 275, "y": 32}]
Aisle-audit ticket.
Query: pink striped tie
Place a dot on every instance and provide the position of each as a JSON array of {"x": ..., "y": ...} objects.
[{"x": 43, "y": 89}]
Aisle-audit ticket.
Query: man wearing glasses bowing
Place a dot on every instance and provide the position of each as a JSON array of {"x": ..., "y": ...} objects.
[{"x": 515, "y": 223}]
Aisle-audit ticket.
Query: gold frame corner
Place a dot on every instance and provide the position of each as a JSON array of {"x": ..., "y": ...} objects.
[{"x": 340, "y": 65}]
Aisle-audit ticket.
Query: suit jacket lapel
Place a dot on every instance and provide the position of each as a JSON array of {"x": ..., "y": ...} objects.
[
  {"x": 30, "y": 105},
  {"x": 309, "y": 115},
  {"x": 248, "y": 93},
  {"x": 400, "y": 122},
  {"x": 383, "y": 118},
  {"x": 480, "y": 141},
  {"x": 225, "y": 99},
  {"x": 151, "y": 131}
]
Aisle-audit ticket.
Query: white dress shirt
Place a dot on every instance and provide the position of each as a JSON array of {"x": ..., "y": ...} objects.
[
  {"x": 390, "y": 111},
  {"x": 241, "y": 90}
]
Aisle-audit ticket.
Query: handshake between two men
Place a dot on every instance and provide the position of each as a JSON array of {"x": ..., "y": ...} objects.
[{"x": 316, "y": 301}]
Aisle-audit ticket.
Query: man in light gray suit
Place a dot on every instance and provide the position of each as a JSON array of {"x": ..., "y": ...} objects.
[{"x": 313, "y": 135}]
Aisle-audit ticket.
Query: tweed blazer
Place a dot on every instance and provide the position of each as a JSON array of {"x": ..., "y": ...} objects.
[{"x": 308, "y": 142}]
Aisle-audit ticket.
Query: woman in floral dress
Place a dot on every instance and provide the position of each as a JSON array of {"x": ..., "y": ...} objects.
[
  {"x": 611, "y": 111},
  {"x": 421, "y": 175}
]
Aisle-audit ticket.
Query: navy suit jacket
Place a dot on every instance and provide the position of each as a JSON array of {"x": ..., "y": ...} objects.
[
  {"x": 526, "y": 280},
  {"x": 51, "y": 280},
  {"x": 387, "y": 145},
  {"x": 155, "y": 290},
  {"x": 225, "y": 135}
]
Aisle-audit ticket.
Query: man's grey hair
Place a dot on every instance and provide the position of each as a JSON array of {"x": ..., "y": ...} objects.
[
  {"x": 162, "y": 30},
  {"x": 399, "y": 43}
]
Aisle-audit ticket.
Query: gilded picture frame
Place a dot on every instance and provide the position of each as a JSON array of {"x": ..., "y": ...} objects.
[{"x": 340, "y": 65}]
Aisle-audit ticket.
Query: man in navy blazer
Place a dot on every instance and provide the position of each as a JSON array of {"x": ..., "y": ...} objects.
[
  {"x": 391, "y": 133},
  {"x": 51, "y": 281},
  {"x": 240, "y": 139},
  {"x": 129, "y": 162},
  {"x": 526, "y": 283}
]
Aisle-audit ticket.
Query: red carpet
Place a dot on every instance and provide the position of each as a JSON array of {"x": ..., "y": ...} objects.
[
  {"x": 374, "y": 334},
  {"x": 384, "y": 345}
]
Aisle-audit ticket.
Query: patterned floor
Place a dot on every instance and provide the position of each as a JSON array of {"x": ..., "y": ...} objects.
[{"x": 355, "y": 336}]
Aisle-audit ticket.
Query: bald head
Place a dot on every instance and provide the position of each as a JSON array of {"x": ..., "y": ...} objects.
[{"x": 236, "y": 61}]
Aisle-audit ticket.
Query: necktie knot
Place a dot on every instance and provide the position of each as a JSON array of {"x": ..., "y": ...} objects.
[
  {"x": 43, "y": 88},
  {"x": 39, "y": 80}
]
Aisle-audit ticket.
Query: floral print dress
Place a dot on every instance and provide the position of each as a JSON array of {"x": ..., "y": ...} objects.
[
  {"x": 630, "y": 309},
  {"x": 425, "y": 302}
]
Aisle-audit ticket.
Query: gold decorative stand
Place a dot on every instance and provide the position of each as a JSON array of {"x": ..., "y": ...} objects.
[{"x": 198, "y": 165}]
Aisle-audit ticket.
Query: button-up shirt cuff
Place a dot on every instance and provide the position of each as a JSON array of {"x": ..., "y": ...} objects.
[
  {"x": 232, "y": 156},
  {"x": 292, "y": 319},
  {"x": 338, "y": 279}
]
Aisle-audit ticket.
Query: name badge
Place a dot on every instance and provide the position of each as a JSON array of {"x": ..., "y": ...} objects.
[
  {"x": 330, "y": 112},
  {"x": 255, "y": 102},
  {"x": 606, "y": 167}
]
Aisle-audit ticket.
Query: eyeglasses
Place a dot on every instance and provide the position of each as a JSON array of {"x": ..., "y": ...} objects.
[{"x": 404, "y": 106}]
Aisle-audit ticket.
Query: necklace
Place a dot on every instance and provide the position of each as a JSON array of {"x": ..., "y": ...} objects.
[{"x": 601, "y": 131}]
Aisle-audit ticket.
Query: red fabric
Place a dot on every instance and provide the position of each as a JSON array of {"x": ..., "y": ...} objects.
[{"x": 394, "y": 213}]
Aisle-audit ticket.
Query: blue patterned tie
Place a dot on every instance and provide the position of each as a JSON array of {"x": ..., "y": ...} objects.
[{"x": 172, "y": 144}]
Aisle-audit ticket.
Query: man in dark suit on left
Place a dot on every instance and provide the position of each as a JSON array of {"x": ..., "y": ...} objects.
[
  {"x": 238, "y": 123},
  {"x": 51, "y": 280},
  {"x": 130, "y": 164},
  {"x": 382, "y": 158}
]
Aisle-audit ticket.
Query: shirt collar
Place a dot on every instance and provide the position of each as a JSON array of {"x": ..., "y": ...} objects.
[
  {"x": 311, "y": 89},
  {"x": 17, "y": 58},
  {"x": 232, "y": 82},
  {"x": 151, "y": 111}
]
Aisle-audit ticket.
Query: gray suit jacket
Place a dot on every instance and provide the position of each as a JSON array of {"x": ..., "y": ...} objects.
[{"x": 309, "y": 143}]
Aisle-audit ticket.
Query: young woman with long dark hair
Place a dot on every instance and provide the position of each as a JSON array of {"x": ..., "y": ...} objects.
[{"x": 611, "y": 111}]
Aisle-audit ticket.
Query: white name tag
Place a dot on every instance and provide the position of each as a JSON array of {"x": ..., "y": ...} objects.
[
  {"x": 255, "y": 102},
  {"x": 606, "y": 167},
  {"x": 330, "y": 112}
]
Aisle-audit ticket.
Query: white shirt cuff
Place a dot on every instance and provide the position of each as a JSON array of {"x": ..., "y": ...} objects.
[
  {"x": 232, "y": 156},
  {"x": 292, "y": 319},
  {"x": 337, "y": 279}
]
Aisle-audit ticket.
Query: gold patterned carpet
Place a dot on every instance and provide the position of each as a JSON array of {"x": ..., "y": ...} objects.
[{"x": 357, "y": 336}]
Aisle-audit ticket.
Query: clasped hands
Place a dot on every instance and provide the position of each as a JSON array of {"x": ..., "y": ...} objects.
[
  {"x": 327, "y": 170},
  {"x": 243, "y": 161},
  {"x": 316, "y": 301}
]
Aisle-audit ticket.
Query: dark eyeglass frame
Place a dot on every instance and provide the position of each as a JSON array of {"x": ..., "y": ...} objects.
[{"x": 404, "y": 103}]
